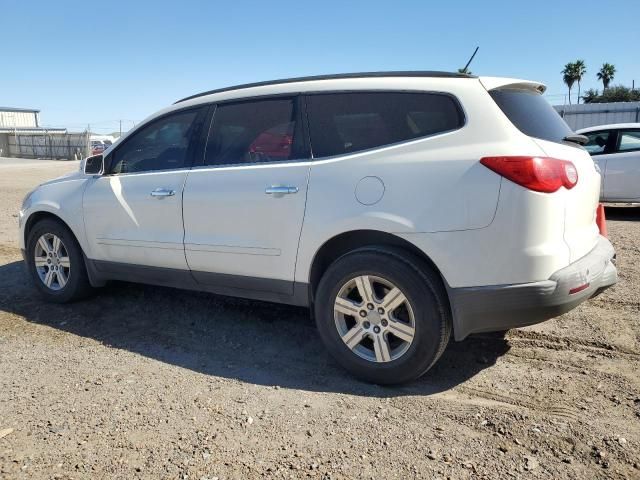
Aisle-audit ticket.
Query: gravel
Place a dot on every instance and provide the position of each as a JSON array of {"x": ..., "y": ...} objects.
[{"x": 149, "y": 382}]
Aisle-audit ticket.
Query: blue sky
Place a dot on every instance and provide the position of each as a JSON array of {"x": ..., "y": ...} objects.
[{"x": 96, "y": 62}]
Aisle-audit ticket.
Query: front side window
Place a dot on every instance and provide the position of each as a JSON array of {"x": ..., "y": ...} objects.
[
  {"x": 629, "y": 140},
  {"x": 597, "y": 142},
  {"x": 256, "y": 131},
  {"x": 162, "y": 145},
  {"x": 342, "y": 123}
]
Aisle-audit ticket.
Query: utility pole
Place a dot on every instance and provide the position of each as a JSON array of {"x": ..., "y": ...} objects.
[{"x": 120, "y": 127}]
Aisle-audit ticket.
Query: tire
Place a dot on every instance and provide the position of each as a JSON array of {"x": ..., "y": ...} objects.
[
  {"x": 379, "y": 356},
  {"x": 70, "y": 282}
]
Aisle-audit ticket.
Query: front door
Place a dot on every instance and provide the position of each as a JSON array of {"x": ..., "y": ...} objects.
[
  {"x": 244, "y": 206},
  {"x": 133, "y": 213}
]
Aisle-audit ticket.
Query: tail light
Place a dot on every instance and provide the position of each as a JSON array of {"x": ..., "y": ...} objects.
[{"x": 540, "y": 174}]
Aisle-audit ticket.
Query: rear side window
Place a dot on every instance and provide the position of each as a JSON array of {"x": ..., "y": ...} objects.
[
  {"x": 531, "y": 114},
  {"x": 255, "y": 131},
  {"x": 342, "y": 123},
  {"x": 629, "y": 140}
]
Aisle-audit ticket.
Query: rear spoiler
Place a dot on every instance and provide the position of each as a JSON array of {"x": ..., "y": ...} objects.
[{"x": 491, "y": 83}]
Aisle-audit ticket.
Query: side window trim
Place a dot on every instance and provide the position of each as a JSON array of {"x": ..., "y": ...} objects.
[
  {"x": 459, "y": 107},
  {"x": 199, "y": 121},
  {"x": 205, "y": 131},
  {"x": 612, "y": 143},
  {"x": 300, "y": 116}
]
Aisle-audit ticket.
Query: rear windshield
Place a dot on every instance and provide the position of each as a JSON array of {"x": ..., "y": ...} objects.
[{"x": 531, "y": 114}]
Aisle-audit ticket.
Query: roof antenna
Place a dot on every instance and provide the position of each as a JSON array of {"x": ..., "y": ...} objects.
[{"x": 464, "y": 70}]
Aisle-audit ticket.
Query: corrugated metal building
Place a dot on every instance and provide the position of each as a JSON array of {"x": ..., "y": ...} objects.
[
  {"x": 22, "y": 136},
  {"x": 18, "y": 117},
  {"x": 592, "y": 114}
]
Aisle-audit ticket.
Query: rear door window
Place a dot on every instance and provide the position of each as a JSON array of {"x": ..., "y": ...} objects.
[
  {"x": 531, "y": 114},
  {"x": 266, "y": 130},
  {"x": 342, "y": 123}
]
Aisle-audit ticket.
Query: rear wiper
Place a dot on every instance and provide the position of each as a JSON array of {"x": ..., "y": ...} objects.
[{"x": 576, "y": 138}]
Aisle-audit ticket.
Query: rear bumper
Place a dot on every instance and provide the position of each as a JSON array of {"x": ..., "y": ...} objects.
[{"x": 501, "y": 307}]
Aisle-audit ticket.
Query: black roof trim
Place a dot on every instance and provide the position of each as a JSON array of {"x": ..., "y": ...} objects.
[{"x": 339, "y": 76}]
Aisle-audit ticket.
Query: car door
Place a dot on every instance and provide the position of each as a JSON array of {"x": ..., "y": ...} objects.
[
  {"x": 600, "y": 146},
  {"x": 244, "y": 205},
  {"x": 133, "y": 213},
  {"x": 622, "y": 180}
]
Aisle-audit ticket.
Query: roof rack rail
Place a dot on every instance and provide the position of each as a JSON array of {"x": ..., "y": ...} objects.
[{"x": 333, "y": 77}]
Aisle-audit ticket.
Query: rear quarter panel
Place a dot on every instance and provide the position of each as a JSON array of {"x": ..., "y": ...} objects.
[{"x": 432, "y": 186}]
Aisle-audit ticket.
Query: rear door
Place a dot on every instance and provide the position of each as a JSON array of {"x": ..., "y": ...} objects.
[
  {"x": 622, "y": 174},
  {"x": 244, "y": 205}
]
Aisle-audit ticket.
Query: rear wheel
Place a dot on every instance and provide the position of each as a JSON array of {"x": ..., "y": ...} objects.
[
  {"x": 383, "y": 318},
  {"x": 55, "y": 262}
]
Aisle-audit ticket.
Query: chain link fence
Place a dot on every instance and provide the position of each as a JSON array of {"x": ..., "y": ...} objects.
[{"x": 57, "y": 146}]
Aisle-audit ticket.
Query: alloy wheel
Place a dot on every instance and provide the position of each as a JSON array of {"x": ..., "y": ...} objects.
[
  {"x": 374, "y": 318},
  {"x": 52, "y": 261}
]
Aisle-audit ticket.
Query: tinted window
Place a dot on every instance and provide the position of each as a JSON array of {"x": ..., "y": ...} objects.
[
  {"x": 162, "y": 145},
  {"x": 629, "y": 140},
  {"x": 255, "y": 131},
  {"x": 597, "y": 142},
  {"x": 531, "y": 114},
  {"x": 343, "y": 123}
]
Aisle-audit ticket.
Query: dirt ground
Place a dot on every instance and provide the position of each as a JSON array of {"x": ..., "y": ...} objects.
[{"x": 149, "y": 382}]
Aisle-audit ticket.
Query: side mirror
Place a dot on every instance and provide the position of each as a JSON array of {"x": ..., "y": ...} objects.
[{"x": 94, "y": 165}]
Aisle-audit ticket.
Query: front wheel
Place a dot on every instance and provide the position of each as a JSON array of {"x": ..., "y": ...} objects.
[
  {"x": 55, "y": 262},
  {"x": 383, "y": 318}
]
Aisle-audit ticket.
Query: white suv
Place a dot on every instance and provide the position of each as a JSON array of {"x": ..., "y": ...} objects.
[{"x": 401, "y": 207}]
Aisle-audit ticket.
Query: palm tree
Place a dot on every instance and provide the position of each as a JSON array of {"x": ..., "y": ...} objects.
[
  {"x": 606, "y": 74},
  {"x": 580, "y": 71},
  {"x": 569, "y": 76}
]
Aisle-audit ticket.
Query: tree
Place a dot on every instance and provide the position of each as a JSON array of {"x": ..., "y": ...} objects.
[
  {"x": 591, "y": 96},
  {"x": 580, "y": 70},
  {"x": 618, "y": 93},
  {"x": 569, "y": 76},
  {"x": 606, "y": 74}
]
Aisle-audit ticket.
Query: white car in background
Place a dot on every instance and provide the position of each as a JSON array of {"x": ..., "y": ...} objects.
[{"x": 616, "y": 150}]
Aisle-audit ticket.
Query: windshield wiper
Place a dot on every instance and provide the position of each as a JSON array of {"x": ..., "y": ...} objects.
[{"x": 576, "y": 138}]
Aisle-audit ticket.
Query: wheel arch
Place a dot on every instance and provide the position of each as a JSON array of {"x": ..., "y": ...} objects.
[
  {"x": 39, "y": 215},
  {"x": 345, "y": 242}
]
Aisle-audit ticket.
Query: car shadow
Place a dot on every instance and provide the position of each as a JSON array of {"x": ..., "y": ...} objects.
[
  {"x": 251, "y": 341},
  {"x": 629, "y": 213}
]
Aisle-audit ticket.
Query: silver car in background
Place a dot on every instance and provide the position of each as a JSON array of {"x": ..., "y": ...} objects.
[{"x": 616, "y": 150}]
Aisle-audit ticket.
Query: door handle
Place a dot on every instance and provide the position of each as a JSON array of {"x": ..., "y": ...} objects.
[
  {"x": 280, "y": 190},
  {"x": 162, "y": 192}
]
